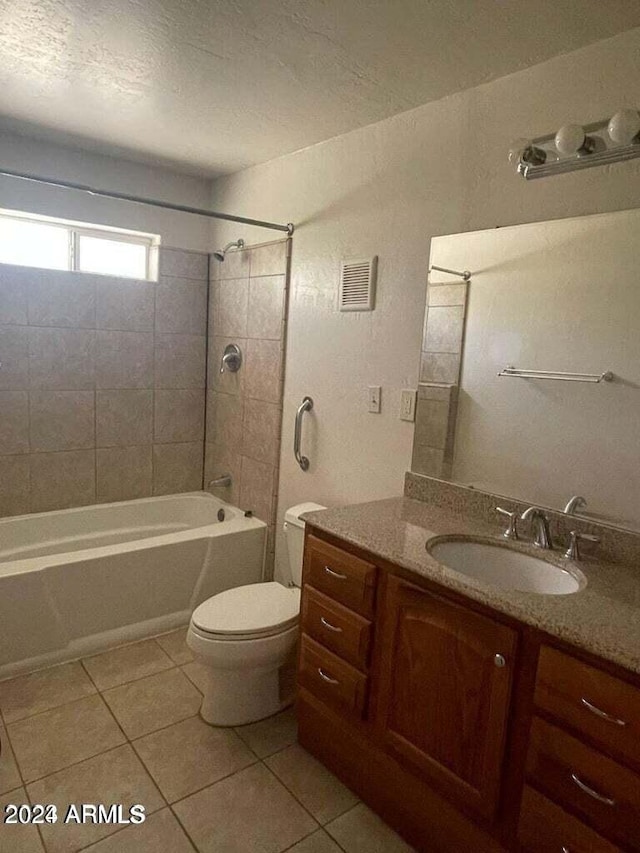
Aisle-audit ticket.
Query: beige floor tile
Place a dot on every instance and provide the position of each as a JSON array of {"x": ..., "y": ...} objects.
[
  {"x": 362, "y": 831},
  {"x": 319, "y": 842},
  {"x": 175, "y": 645},
  {"x": 270, "y": 735},
  {"x": 186, "y": 757},
  {"x": 319, "y": 791},
  {"x": 195, "y": 673},
  {"x": 159, "y": 833},
  {"x": 127, "y": 663},
  {"x": 113, "y": 777},
  {"x": 60, "y": 737},
  {"x": 9, "y": 776},
  {"x": 249, "y": 812},
  {"x": 152, "y": 703},
  {"x": 16, "y": 838},
  {"x": 39, "y": 691}
]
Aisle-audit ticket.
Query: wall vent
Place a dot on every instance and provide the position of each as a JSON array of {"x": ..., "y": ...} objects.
[{"x": 358, "y": 285}]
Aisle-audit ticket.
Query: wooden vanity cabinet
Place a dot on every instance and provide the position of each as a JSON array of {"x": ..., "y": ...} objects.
[
  {"x": 461, "y": 727},
  {"x": 445, "y": 676}
]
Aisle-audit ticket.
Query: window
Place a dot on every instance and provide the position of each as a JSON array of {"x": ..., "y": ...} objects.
[{"x": 57, "y": 244}]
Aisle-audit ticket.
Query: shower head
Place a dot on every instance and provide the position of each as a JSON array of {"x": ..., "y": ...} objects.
[{"x": 234, "y": 244}]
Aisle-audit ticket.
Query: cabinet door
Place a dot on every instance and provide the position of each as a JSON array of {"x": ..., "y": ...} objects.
[{"x": 444, "y": 695}]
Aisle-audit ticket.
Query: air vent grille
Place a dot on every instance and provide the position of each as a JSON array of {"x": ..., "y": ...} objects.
[{"x": 358, "y": 284}]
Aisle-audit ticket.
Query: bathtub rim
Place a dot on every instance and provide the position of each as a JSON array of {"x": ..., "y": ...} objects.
[{"x": 238, "y": 523}]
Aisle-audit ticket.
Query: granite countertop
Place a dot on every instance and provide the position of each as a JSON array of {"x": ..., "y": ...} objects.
[{"x": 602, "y": 618}]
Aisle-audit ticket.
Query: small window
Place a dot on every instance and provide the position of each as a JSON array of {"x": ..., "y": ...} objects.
[{"x": 32, "y": 241}]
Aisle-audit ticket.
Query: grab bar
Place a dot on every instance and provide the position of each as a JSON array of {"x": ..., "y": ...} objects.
[{"x": 305, "y": 406}]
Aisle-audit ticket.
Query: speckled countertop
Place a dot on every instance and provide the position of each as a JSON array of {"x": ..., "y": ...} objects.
[{"x": 603, "y": 617}]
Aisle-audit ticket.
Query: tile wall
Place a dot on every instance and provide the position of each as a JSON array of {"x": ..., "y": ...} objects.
[
  {"x": 102, "y": 384},
  {"x": 440, "y": 364},
  {"x": 248, "y": 307}
]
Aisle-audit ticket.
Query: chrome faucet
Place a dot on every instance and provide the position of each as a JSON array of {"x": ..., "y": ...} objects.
[
  {"x": 573, "y": 504},
  {"x": 220, "y": 482},
  {"x": 540, "y": 526}
]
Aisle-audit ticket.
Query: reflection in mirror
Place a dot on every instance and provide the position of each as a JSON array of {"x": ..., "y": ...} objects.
[{"x": 530, "y": 371}]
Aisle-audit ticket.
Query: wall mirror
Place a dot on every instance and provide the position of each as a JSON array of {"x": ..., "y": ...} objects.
[{"x": 530, "y": 370}]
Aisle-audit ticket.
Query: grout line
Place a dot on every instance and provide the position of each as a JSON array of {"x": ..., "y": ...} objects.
[
  {"x": 184, "y": 828},
  {"x": 304, "y": 838},
  {"x": 141, "y": 678},
  {"x": 211, "y": 784},
  {"x": 122, "y": 829},
  {"x": 295, "y": 797},
  {"x": 75, "y": 764},
  {"x": 53, "y": 707},
  {"x": 136, "y": 678},
  {"x": 161, "y": 729}
]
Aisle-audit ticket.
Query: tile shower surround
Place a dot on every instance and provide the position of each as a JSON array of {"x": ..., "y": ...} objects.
[
  {"x": 102, "y": 384},
  {"x": 248, "y": 306},
  {"x": 440, "y": 363}
]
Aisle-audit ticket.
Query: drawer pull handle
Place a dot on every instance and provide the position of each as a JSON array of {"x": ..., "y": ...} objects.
[
  {"x": 587, "y": 790},
  {"x": 602, "y": 714},
  {"x": 329, "y": 626},
  {"x": 333, "y": 574},
  {"x": 327, "y": 678},
  {"x": 565, "y": 850}
]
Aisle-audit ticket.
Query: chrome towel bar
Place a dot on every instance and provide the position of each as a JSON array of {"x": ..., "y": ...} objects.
[
  {"x": 305, "y": 406},
  {"x": 565, "y": 376}
]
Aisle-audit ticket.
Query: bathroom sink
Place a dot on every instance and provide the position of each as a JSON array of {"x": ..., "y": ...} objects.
[{"x": 505, "y": 567}]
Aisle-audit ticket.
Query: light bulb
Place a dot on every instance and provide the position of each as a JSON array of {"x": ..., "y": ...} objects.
[
  {"x": 624, "y": 126},
  {"x": 570, "y": 139}
]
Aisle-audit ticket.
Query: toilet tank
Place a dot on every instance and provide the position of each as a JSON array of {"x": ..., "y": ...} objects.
[{"x": 294, "y": 536}]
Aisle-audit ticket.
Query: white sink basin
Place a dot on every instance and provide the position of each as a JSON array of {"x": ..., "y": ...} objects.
[{"x": 506, "y": 568}]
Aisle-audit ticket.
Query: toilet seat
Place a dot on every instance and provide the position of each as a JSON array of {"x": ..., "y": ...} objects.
[{"x": 248, "y": 612}]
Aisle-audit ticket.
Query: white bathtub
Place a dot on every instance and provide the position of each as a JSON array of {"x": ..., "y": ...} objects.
[{"x": 76, "y": 581}]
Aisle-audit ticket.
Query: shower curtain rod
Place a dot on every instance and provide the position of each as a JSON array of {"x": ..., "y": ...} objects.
[{"x": 152, "y": 202}]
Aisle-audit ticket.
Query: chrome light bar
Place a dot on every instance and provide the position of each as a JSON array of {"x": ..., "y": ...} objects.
[{"x": 575, "y": 147}]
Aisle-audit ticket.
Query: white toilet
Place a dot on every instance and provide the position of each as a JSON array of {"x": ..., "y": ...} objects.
[{"x": 246, "y": 640}]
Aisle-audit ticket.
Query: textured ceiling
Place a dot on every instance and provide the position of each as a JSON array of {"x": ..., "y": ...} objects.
[{"x": 212, "y": 86}]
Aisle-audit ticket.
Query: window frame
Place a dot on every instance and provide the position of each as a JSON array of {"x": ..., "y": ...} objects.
[{"x": 151, "y": 242}]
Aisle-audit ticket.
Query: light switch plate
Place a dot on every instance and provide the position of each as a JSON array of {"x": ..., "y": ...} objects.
[
  {"x": 408, "y": 405},
  {"x": 374, "y": 395}
]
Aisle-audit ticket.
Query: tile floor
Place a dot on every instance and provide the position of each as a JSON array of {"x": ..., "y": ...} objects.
[{"x": 123, "y": 727}]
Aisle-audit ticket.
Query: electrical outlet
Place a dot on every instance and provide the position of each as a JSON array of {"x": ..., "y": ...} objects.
[
  {"x": 408, "y": 405},
  {"x": 374, "y": 398}
]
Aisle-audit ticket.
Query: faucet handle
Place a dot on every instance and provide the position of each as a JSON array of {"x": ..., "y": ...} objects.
[
  {"x": 573, "y": 551},
  {"x": 512, "y": 529}
]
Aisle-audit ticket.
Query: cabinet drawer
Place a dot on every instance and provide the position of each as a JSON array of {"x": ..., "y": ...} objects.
[
  {"x": 605, "y": 794},
  {"x": 331, "y": 679},
  {"x": 340, "y": 575},
  {"x": 545, "y": 827},
  {"x": 340, "y": 630},
  {"x": 591, "y": 701}
]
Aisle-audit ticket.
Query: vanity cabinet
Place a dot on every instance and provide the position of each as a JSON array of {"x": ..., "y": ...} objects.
[
  {"x": 584, "y": 748},
  {"x": 466, "y": 730},
  {"x": 447, "y": 675}
]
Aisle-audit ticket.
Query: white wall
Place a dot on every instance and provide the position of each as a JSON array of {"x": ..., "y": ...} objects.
[
  {"x": 34, "y": 156},
  {"x": 387, "y": 189}
]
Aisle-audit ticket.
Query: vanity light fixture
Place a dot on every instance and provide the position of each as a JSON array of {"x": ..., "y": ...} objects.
[{"x": 576, "y": 147}]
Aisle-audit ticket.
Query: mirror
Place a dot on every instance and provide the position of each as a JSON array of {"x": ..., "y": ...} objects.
[{"x": 514, "y": 396}]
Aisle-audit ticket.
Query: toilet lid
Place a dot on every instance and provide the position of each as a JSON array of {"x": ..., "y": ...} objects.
[{"x": 256, "y": 609}]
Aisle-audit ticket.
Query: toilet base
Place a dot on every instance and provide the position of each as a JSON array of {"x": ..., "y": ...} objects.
[
  {"x": 236, "y": 698},
  {"x": 244, "y": 681}
]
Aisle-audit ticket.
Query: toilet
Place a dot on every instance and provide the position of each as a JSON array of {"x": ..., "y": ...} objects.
[{"x": 245, "y": 638}]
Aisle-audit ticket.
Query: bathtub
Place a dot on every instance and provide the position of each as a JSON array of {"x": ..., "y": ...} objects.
[{"x": 77, "y": 581}]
